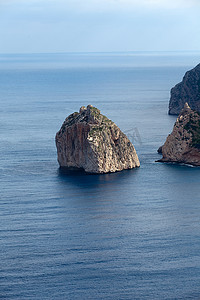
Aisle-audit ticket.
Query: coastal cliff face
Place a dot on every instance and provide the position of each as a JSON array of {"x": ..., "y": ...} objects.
[
  {"x": 183, "y": 144},
  {"x": 186, "y": 91},
  {"x": 88, "y": 140}
]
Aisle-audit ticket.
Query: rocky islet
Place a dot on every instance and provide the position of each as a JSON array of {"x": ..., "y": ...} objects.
[
  {"x": 89, "y": 140},
  {"x": 183, "y": 144}
]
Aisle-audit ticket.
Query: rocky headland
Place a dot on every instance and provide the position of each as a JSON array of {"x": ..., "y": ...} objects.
[
  {"x": 88, "y": 140},
  {"x": 186, "y": 91},
  {"x": 183, "y": 144}
]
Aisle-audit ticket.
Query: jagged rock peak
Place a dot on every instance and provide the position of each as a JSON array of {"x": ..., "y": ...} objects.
[
  {"x": 91, "y": 141},
  {"x": 183, "y": 144},
  {"x": 82, "y": 109},
  {"x": 186, "y": 91},
  {"x": 186, "y": 106},
  {"x": 186, "y": 110}
]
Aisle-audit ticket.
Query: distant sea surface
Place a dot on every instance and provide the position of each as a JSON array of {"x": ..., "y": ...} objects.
[{"x": 68, "y": 235}]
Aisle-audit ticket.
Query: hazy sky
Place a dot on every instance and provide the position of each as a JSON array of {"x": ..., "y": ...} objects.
[{"x": 99, "y": 25}]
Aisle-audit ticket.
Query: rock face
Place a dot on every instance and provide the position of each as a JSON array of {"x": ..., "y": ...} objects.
[
  {"x": 186, "y": 91},
  {"x": 90, "y": 141},
  {"x": 183, "y": 144}
]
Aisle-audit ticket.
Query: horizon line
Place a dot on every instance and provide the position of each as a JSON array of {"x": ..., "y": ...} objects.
[{"x": 102, "y": 52}]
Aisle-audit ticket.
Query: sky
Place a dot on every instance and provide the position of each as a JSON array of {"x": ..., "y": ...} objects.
[{"x": 32, "y": 26}]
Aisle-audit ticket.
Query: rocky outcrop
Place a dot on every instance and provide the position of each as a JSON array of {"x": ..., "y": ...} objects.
[
  {"x": 183, "y": 144},
  {"x": 90, "y": 141},
  {"x": 186, "y": 91}
]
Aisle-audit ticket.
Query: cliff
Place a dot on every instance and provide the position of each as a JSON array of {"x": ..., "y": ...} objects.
[
  {"x": 183, "y": 144},
  {"x": 88, "y": 140},
  {"x": 186, "y": 91}
]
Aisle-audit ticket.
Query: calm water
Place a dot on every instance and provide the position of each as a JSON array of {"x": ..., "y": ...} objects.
[{"x": 68, "y": 235}]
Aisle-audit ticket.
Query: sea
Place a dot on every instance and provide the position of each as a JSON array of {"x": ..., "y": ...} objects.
[{"x": 64, "y": 234}]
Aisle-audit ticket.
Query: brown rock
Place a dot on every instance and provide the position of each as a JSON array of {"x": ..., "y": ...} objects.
[
  {"x": 90, "y": 141},
  {"x": 183, "y": 144}
]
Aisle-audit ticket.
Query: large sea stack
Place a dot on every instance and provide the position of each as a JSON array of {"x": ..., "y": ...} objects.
[
  {"x": 88, "y": 140},
  {"x": 186, "y": 91},
  {"x": 183, "y": 144}
]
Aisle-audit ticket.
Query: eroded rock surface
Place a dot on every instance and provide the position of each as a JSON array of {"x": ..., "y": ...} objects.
[
  {"x": 90, "y": 141},
  {"x": 186, "y": 91},
  {"x": 183, "y": 144}
]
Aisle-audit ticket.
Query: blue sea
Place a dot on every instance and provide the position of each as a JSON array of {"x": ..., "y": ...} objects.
[{"x": 132, "y": 235}]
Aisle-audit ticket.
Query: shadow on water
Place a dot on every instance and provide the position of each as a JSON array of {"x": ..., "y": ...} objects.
[
  {"x": 80, "y": 178},
  {"x": 81, "y": 187},
  {"x": 182, "y": 170}
]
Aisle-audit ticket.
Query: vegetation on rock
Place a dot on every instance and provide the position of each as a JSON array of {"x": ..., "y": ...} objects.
[{"x": 91, "y": 141}]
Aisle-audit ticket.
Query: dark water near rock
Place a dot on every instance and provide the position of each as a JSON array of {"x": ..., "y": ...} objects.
[{"x": 68, "y": 235}]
